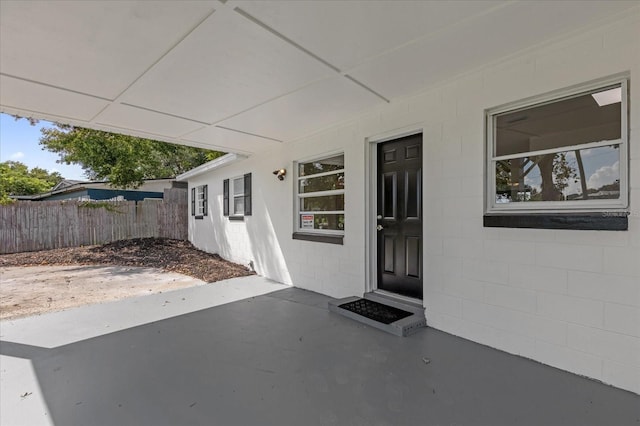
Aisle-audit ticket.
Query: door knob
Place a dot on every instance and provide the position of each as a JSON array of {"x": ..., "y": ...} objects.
[
  {"x": 379, "y": 227},
  {"x": 379, "y": 217}
]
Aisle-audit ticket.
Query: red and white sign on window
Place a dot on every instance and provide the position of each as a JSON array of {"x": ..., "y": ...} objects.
[{"x": 306, "y": 221}]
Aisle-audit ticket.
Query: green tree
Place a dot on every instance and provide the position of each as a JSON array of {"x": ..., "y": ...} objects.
[
  {"x": 556, "y": 170},
  {"x": 17, "y": 179},
  {"x": 125, "y": 161}
]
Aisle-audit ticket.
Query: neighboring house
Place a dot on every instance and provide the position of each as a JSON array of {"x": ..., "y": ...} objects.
[
  {"x": 66, "y": 183},
  {"x": 481, "y": 159},
  {"x": 79, "y": 190}
]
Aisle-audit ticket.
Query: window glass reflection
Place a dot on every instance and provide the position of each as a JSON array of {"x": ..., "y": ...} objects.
[{"x": 585, "y": 174}]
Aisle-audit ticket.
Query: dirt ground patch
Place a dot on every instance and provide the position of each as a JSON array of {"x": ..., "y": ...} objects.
[
  {"x": 33, "y": 290},
  {"x": 38, "y": 282}
]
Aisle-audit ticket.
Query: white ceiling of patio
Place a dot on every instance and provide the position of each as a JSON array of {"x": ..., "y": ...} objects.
[{"x": 245, "y": 76}]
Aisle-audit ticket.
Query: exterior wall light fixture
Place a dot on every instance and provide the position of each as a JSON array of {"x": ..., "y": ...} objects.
[{"x": 280, "y": 173}]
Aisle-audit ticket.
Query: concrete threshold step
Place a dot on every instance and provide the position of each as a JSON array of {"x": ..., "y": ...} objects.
[{"x": 380, "y": 312}]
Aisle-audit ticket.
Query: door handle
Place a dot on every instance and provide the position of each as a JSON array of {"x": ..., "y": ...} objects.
[{"x": 379, "y": 227}]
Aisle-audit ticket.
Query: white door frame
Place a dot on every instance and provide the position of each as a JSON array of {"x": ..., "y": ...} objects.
[{"x": 371, "y": 205}]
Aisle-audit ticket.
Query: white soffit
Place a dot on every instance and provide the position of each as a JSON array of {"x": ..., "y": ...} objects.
[
  {"x": 190, "y": 72},
  {"x": 216, "y": 137},
  {"x": 93, "y": 47},
  {"x": 127, "y": 117},
  {"x": 302, "y": 112},
  {"x": 36, "y": 99},
  {"x": 227, "y": 65},
  {"x": 345, "y": 33},
  {"x": 504, "y": 31}
]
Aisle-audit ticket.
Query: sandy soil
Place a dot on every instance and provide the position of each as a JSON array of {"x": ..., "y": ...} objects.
[
  {"x": 33, "y": 290},
  {"x": 45, "y": 281}
]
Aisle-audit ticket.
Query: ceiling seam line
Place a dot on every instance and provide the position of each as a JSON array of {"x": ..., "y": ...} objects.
[
  {"x": 40, "y": 83},
  {"x": 5, "y": 106},
  {"x": 250, "y": 134},
  {"x": 165, "y": 113},
  {"x": 285, "y": 39},
  {"x": 180, "y": 40},
  {"x": 95, "y": 116},
  {"x": 434, "y": 34},
  {"x": 235, "y": 114},
  {"x": 156, "y": 136},
  {"x": 367, "y": 88},
  {"x": 184, "y": 135},
  {"x": 140, "y": 134},
  {"x": 306, "y": 51},
  {"x": 214, "y": 147}
]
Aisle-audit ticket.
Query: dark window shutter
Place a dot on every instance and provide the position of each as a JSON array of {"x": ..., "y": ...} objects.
[
  {"x": 193, "y": 201},
  {"x": 206, "y": 197},
  {"x": 225, "y": 197},
  {"x": 247, "y": 194}
]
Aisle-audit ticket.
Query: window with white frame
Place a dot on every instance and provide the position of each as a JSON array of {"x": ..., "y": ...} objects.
[
  {"x": 559, "y": 153},
  {"x": 199, "y": 201},
  {"x": 237, "y": 195},
  {"x": 320, "y": 195}
]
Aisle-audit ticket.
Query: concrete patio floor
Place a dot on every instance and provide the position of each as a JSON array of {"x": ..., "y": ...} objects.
[{"x": 262, "y": 357}]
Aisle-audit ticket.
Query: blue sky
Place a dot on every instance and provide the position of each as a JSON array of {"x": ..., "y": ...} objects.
[
  {"x": 19, "y": 141},
  {"x": 601, "y": 167}
]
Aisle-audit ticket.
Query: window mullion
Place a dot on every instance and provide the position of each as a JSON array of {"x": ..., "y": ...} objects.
[
  {"x": 321, "y": 212},
  {"x": 557, "y": 150},
  {"x": 331, "y": 172},
  {"x": 321, "y": 193}
]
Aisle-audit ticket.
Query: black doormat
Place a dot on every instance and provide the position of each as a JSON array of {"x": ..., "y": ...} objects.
[{"x": 375, "y": 311}]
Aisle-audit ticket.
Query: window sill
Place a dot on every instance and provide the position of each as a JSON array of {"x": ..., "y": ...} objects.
[
  {"x": 198, "y": 217},
  {"x": 237, "y": 218},
  {"x": 578, "y": 221},
  {"x": 319, "y": 238}
]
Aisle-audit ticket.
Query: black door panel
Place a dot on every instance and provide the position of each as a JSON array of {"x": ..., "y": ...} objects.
[{"x": 400, "y": 212}]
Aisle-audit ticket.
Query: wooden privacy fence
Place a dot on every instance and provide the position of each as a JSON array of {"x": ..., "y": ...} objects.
[{"x": 42, "y": 225}]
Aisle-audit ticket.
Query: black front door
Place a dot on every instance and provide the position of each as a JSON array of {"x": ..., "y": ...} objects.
[{"x": 399, "y": 216}]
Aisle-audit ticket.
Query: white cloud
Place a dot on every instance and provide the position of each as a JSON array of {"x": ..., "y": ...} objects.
[
  {"x": 573, "y": 187},
  {"x": 533, "y": 183},
  {"x": 604, "y": 176},
  {"x": 17, "y": 155}
]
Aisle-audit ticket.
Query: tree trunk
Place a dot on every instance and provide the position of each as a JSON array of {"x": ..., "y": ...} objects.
[{"x": 549, "y": 191}]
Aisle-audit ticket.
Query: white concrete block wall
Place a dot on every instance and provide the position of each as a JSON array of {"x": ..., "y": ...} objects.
[
  {"x": 264, "y": 238},
  {"x": 570, "y": 299}
]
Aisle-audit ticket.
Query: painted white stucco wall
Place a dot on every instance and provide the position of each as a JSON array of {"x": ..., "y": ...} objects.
[{"x": 570, "y": 299}]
